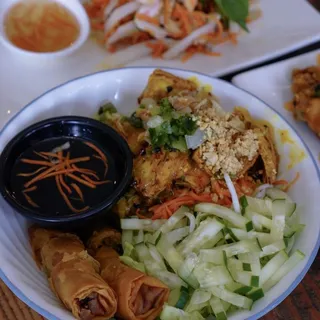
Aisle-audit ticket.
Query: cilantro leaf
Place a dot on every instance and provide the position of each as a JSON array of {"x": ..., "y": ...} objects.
[
  {"x": 107, "y": 107},
  {"x": 183, "y": 125},
  {"x": 135, "y": 121},
  {"x": 166, "y": 109},
  {"x": 235, "y": 10}
]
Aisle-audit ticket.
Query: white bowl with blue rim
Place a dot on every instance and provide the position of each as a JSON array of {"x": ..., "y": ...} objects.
[{"x": 82, "y": 97}]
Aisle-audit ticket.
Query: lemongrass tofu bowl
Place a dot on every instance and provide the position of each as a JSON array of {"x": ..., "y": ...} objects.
[{"x": 222, "y": 204}]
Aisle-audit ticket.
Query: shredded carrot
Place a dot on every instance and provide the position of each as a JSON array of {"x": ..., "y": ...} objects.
[
  {"x": 41, "y": 163},
  {"x": 94, "y": 182},
  {"x": 233, "y": 37},
  {"x": 31, "y": 173},
  {"x": 30, "y": 189},
  {"x": 198, "y": 49},
  {"x": 147, "y": 18},
  {"x": 96, "y": 149},
  {"x": 158, "y": 48},
  {"x": 30, "y": 201},
  {"x": 63, "y": 183},
  {"x": 166, "y": 209},
  {"x": 66, "y": 199},
  {"x": 166, "y": 11},
  {"x": 291, "y": 183},
  {"x": 86, "y": 171},
  {"x": 86, "y": 183},
  {"x": 78, "y": 191},
  {"x": 51, "y": 154},
  {"x": 280, "y": 182},
  {"x": 40, "y": 155}
]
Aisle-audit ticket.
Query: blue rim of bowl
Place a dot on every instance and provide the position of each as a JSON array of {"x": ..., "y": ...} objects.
[{"x": 271, "y": 305}]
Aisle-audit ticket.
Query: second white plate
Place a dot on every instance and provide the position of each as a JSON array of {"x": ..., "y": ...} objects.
[{"x": 272, "y": 84}]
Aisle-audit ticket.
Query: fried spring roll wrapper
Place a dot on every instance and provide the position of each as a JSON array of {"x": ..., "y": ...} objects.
[
  {"x": 140, "y": 297},
  {"x": 105, "y": 237},
  {"x": 38, "y": 238},
  {"x": 82, "y": 290},
  {"x": 63, "y": 248}
]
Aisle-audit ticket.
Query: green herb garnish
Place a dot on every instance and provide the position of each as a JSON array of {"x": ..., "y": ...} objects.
[
  {"x": 235, "y": 10},
  {"x": 107, "y": 107},
  {"x": 135, "y": 121}
]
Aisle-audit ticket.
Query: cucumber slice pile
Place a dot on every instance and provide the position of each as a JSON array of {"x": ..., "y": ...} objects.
[{"x": 214, "y": 259}]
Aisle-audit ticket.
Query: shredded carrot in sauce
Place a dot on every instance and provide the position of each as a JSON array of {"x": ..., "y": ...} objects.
[
  {"x": 61, "y": 166},
  {"x": 292, "y": 183}
]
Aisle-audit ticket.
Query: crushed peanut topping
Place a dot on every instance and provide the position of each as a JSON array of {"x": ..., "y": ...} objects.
[{"x": 228, "y": 145}]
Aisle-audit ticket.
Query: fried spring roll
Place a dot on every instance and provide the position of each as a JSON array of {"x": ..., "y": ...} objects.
[
  {"x": 105, "y": 237},
  {"x": 82, "y": 290},
  {"x": 64, "y": 248},
  {"x": 140, "y": 297},
  {"x": 73, "y": 274}
]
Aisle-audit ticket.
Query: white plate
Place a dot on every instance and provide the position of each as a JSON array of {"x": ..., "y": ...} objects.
[
  {"x": 82, "y": 97},
  {"x": 286, "y": 25},
  {"x": 272, "y": 84}
]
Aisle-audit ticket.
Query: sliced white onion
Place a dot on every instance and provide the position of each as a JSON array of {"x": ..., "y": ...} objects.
[
  {"x": 154, "y": 122},
  {"x": 194, "y": 141},
  {"x": 120, "y": 13},
  {"x": 64, "y": 146},
  {"x": 187, "y": 41},
  {"x": 109, "y": 8},
  {"x": 234, "y": 196},
  {"x": 261, "y": 190},
  {"x": 149, "y": 103},
  {"x": 122, "y": 31},
  {"x": 156, "y": 31}
]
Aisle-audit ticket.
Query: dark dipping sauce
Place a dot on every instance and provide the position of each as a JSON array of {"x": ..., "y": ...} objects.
[{"x": 46, "y": 198}]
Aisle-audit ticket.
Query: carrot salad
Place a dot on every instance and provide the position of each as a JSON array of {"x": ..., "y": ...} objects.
[{"x": 170, "y": 28}]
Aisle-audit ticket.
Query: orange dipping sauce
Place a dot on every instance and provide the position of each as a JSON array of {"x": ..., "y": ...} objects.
[{"x": 41, "y": 26}]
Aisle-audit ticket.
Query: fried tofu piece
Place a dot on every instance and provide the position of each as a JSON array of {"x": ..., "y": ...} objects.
[
  {"x": 306, "y": 102},
  {"x": 197, "y": 179},
  {"x": 161, "y": 83},
  {"x": 155, "y": 172},
  {"x": 312, "y": 115},
  {"x": 269, "y": 155}
]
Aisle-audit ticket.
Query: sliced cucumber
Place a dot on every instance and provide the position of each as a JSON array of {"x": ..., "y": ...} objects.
[
  {"x": 226, "y": 214},
  {"x": 206, "y": 230},
  {"x": 255, "y": 294},
  {"x": 263, "y": 206},
  {"x": 243, "y": 290},
  {"x": 183, "y": 298},
  {"x": 198, "y": 301},
  {"x": 177, "y": 234},
  {"x": 156, "y": 256},
  {"x": 277, "y": 194},
  {"x": 127, "y": 236},
  {"x": 170, "y": 253},
  {"x": 210, "y": 275},
  {"x": 284, "y": 207},
  {"x": 259, "y": 221},
  {"x": 186, "y": 269},
  {"x": 272, "y": 266},
  {"x": 273, "y": 248},
  {"x": 231, "y": 297},
  {"x": 139, "y": 238},
  {"x": 218, "y": 309},
  {"x": 247, "y": 279},
  {"x": 172, "y": 313},
  {"x": 133, "y": 264},
  {"x": 284, "y": 269}
]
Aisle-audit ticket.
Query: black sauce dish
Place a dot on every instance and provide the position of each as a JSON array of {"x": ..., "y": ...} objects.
[{"x": 41, "y": 201}]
